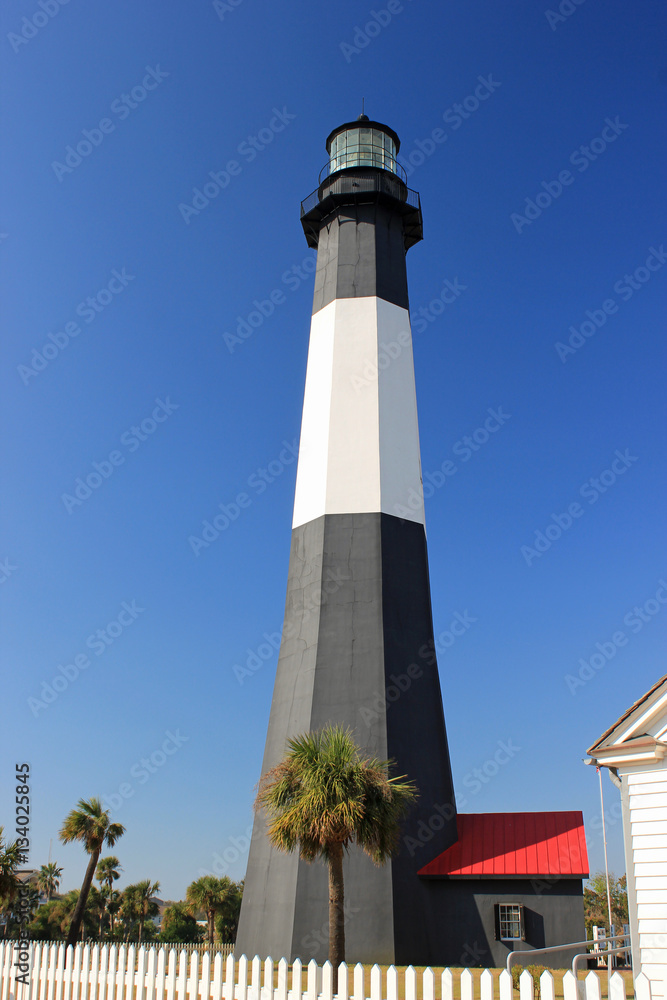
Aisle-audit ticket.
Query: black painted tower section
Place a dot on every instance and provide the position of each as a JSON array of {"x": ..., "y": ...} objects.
[{"x": 357, "y": 643}]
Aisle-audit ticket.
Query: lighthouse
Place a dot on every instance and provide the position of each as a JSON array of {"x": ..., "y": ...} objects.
[{"x": 357, "y": 645}]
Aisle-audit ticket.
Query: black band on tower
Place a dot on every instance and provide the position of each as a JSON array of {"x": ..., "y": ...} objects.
[{"x": 361, "y": 252}]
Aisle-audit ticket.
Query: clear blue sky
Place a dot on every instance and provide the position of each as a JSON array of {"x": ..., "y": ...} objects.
[{"x": 215, "y": 78}]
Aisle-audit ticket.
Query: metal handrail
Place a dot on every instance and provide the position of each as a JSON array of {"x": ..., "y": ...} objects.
[
  {"x": 601, "y": 954},
  {"x": 566, "y": 947}
]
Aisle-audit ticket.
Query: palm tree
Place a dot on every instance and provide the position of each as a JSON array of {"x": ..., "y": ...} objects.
[
  {"x": 107, "y": 872},
  {"x": 211, "y": 895},
  {"x": 138, "y": 903},
  {"x": 90, "y": 824},
  {"x": 11, "y": 859},
  {"x": 48, "y": 879},
  {"x": 323, "y": 797}
]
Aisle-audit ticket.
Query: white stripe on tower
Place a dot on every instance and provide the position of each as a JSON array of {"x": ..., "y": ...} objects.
[{"x": 359, "y": 450}]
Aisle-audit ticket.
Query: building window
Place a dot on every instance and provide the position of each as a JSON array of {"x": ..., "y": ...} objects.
[{"x": 510, "y": 922}]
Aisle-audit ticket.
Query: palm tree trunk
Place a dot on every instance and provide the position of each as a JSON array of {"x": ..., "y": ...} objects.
[
  {"x": 336, "y": 912},
  {"x": 77, "y": 918},
  {"x": 211, "y": 927}
]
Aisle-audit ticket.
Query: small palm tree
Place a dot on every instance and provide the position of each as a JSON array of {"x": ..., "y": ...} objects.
[
  {"x": 324, "y": 797},
  {"x": 211, "y": 895},
  {"x": 107, "y": 872},
  {"x": 11, "y": 859},
  {"x": 138, "y": 903},
  {"x": 48, "y": 879},
  {"x": 90, "y": 824}
]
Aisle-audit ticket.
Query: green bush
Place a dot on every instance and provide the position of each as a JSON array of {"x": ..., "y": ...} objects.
[{"x": 535, "y": 971}]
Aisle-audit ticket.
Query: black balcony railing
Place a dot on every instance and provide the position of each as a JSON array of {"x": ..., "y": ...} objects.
[{"x": 353, "y": 183}]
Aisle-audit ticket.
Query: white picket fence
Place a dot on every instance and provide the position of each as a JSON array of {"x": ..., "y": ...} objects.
[{"x": 112, "y": 972}]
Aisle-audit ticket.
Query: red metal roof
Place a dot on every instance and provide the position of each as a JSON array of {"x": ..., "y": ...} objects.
[{"x": 514, "y": 844}]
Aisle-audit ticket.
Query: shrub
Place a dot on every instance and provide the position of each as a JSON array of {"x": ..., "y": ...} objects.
[{"x": 535, "y": 971}]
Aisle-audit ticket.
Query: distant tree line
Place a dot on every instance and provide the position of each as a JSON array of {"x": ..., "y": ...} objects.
[{"x": 105, "y": 913}]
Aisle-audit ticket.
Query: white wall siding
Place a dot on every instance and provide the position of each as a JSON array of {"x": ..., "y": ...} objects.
[{"x": 647, "y": 797}]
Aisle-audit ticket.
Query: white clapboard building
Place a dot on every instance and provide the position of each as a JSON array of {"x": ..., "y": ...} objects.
[{"x": 634, "y": 751}]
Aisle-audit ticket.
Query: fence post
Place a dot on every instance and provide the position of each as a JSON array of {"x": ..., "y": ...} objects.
[
  {"x": 486, "y": 985},
  {"x": 255, "y": 978},
  {"x": 617, "y": 987},
  {"x": 410, "y": 983},
  {"x": 281, "y": 993},
  {"x": 592, "y": 990},
  {"x": 297, "y": 979},
  {"x": 314, "y": 979},
  {"x": 43, "y": 969},
  {"x": 120, "y": 973},
  {"x": 204, "y": 977},
  {"x": 230, "y": 969},
  {"x": 193, "y": 981},
  {"x": 359, "y": 984},
  {"x": 60, "y": 972},
  {"x": 343, "y": 982},
  {"x": 526, "y": 986},
  {"x": 468, "y": 986},
  {"x": 150, "y": 975},
  {"x": 428, "y": 984},
  {"x": 448, "y": 984},
  {"x": 392, "y": 983},
  {"x": 376, "y": 982},
  {"x": 182, "y": 978},
  {"x": 505, "y": 983},
  {"x": 171, "y": 975},
  {"x": 268, "y": 979},
  {"x": 642, "y": 987},
  {"x": 327, "y": 981},
  {"x": 160, "y": 974},
  {"x": 243, "y": 979},
  {"x": 570, "y": 986},
  {"x": 547, "y": 986}
]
